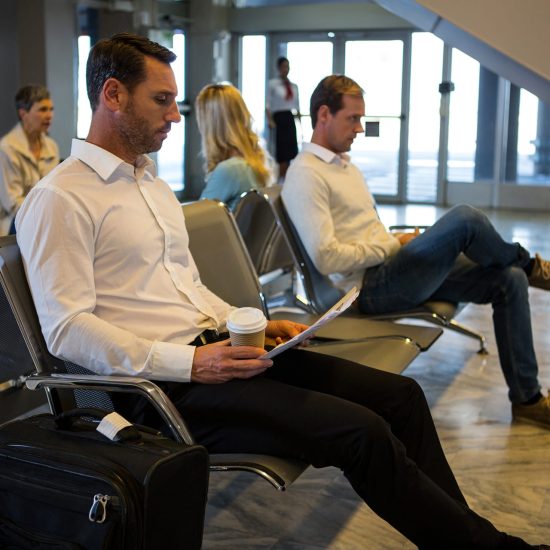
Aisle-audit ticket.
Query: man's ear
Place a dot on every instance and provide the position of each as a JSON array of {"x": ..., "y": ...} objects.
[
  {"x": 322, "y": 113},
  {"x": 111, "y": 93}
]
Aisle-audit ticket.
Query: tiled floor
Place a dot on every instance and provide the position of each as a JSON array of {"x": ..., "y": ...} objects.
[{"x": 503, "y": 468}]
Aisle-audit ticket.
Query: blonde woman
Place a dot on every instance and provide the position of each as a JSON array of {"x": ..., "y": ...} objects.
[{"x": 234, "y": 160}]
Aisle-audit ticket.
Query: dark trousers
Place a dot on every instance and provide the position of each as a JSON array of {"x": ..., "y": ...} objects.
[
  {"x": 286, "y": 143},
  {"x": 373, "y": 425}
]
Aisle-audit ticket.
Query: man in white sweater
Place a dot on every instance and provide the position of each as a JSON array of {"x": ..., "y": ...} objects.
[{"x": 461, "y": 258}]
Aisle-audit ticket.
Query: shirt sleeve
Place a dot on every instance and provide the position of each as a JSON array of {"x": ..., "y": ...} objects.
[
  {"x": 307, "y": 200},
  {"x": 60, "y": 273}
]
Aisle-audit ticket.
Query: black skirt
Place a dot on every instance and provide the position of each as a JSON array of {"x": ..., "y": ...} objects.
[{"x": 286, "y": 144}]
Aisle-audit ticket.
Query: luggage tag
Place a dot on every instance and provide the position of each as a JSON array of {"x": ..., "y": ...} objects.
[{"x": 116, "y": 428}]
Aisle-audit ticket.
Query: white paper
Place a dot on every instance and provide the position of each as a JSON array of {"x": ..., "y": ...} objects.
[
  {"x": 112, "y": 424},
  {"x": 339, "y": 307}
]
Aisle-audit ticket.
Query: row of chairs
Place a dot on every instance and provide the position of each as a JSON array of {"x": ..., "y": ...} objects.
[
  {"x": 213, "y": 234},
  {"x": 215, "y": 241},
  {"x": 273, "y": 242}
]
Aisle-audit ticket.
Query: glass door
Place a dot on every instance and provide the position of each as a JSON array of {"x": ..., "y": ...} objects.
[
  {"x": 377, "y": 66},
  {"x": 425, "y": 114}
]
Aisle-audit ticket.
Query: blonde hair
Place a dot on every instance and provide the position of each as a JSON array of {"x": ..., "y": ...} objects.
[{"x": 225, "y": 125}]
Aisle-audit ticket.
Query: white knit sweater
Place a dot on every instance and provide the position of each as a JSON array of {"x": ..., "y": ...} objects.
[{"x": 334, "y": 213}]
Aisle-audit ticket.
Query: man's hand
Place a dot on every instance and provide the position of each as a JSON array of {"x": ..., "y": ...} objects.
[
  {"x": 405, "y": 238},
  {"x": 281, "y": 331},
  {"x": 219, "y": 362}
]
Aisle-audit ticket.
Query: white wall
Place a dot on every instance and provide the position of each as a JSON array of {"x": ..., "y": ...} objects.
[
  {"x": 325, "y": 16},
  {"x": 516, "y": 28}
]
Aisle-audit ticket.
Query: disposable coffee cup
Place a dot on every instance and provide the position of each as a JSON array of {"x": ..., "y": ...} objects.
[{"x": 246, "y": 327}]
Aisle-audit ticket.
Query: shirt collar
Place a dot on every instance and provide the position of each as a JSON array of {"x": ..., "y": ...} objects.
[
  {"x": 105, "y": 163},
  {"x": 326, "y": 155}
]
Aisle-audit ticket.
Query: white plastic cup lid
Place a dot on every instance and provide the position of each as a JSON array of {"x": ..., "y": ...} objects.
[{"x": 246, "y": 320}]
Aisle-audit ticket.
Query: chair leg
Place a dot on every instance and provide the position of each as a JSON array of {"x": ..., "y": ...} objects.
[{"x": 458, "y": 327}]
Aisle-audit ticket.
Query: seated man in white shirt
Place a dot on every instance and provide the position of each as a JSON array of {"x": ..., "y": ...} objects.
[
  {"x": 106, "y": 254},
  {"x": 461, "y": 258}
]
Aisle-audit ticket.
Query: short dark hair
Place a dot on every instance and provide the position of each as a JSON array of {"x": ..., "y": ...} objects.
[
  {"x": 329, "y": 92},
  {"x": 122, "y": 57},
  {"x": 281, "y": 60},
  {"x": 30, "y": 94}
]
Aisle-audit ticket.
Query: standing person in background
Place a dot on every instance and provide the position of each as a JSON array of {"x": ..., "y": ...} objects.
[
  {"x": 27, "y": 153},
  {"x": 282, "y": 106},
  {"x": 235, "y": 162}
]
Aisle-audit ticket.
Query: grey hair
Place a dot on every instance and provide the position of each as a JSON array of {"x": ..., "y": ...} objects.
[{"x": 30, "y": 94}]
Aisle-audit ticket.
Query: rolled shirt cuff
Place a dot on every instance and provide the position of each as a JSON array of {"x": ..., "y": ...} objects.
[{"x": 171, "y": 362}]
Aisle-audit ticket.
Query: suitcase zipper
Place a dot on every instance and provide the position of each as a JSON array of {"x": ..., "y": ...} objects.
[{"x": 98, "y": 511}]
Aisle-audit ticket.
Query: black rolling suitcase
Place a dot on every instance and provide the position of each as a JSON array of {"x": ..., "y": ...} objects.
[{"x": 66, "y": 486}]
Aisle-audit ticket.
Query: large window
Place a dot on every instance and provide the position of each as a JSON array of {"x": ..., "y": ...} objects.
[
  {"x": 84, "y": 111},
  {"x": 463, "y": 118},
  {"x": 424, "y": 117},
  {"x": 527, "y": 136},
  {"x": 377, "y": 65},
  {"x": 445, "y": 121},
  {"x": 253, "y": 78},
  {"x": 171, "y": 157},
  {"x": 307, "y": 74}
]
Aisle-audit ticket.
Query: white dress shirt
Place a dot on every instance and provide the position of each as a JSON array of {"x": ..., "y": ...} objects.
[
  {"x": 106, "y": 253},
  {"x": 276, "y": 97},
  {"x": 20, "y": 170},
  {"x": 334, "y": 213}
]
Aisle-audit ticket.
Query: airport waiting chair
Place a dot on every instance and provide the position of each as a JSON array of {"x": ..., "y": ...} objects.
[
  {"x": 262, "y": 236},
  {"x": 226, "y": 269},
  {"x": 266, "y": 245},
  {"x": 319, "y": 293},
  {"x": 68, "y": 385}
]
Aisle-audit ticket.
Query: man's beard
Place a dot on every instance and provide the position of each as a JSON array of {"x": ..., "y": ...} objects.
[{"x": 138, "y": 134}]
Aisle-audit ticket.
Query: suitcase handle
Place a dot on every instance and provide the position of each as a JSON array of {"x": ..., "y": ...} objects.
[{"x": 66, "y": 419}]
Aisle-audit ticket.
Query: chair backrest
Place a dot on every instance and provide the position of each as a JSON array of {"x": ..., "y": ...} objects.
[
  {"x": 21, "y": 322},
  {"x": 320, "y": 293},
  {"x": 263, "y": 238},
  {"x": 15, "y": 360},
  {"x": 221, "y": 256}
]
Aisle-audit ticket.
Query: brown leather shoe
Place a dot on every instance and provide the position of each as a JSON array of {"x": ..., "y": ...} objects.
[
  {"x": 538, "y": 414},
  {"x": 540, "y": 275}
]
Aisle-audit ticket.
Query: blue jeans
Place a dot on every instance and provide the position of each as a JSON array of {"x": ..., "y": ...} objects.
[{"x": 462, "y": 258}]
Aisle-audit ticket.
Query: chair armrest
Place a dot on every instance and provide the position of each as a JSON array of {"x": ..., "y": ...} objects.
[
  {"x": 405, "y": 227},
  {"x": 126, "y": 384}
]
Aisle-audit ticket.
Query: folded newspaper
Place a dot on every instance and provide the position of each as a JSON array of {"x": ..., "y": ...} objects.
[{"x": 339, "y": 307}]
